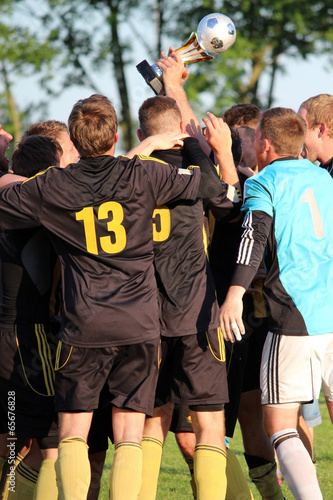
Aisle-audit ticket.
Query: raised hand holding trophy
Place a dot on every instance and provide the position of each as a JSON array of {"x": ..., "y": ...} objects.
[{"x": 215, "y": 34}]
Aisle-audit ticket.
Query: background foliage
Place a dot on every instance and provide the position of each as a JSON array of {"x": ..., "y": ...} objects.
[{"x": 74, "y": 43}]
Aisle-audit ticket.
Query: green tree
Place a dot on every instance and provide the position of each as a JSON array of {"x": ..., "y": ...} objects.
[
  {"x": 98, "y": 36},
  {"x": 82, "y": 39},
  {"x": 89, "y": 33},
  {"x": 266, "y": 31},
  {"x": 23, "y": 53}
]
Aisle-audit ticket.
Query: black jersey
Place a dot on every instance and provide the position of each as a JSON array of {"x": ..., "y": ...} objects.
[
  {"x": 223, "y": 254},
  {"x": 328, "y": 166},
  {"x": 186, "y": 286},
  {"x": 224, "y": 246},
  {"x": 27, "y": 263},
  {"x": 98, "y": 213}
]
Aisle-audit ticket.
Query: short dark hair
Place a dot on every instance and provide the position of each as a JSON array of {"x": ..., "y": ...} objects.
[
  {"x": 93, "y": 125},
  {"x": 34, "y": 154},
  {"x": 159, "y": 114},
  {"x": 242, "y": 115},
  {"x": 284, "y": 128}
]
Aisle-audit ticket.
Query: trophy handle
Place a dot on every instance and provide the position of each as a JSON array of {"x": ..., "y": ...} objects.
[
  {"x": 191, "y": 51},
  {"x": 152, "y": 76}
]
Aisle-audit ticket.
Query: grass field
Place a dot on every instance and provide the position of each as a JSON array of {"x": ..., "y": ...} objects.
[{"x": 174, "y": 476}]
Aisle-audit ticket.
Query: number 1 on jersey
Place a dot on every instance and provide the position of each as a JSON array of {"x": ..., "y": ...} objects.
[{"x": 308, "y": 197}]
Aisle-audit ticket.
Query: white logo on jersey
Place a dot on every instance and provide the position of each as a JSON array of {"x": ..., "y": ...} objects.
[{"x": 185, "y": 171}]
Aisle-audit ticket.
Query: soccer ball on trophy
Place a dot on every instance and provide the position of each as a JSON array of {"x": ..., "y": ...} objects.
[{"x": 215, "y": 34}]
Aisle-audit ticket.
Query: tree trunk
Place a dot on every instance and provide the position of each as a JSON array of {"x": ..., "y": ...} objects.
[
  {"x": 271, "y": 85},
  {"x": 119, "y": 68},
  {"x": 249, "y": 92},
  {"x": 14, "y": 113},
  {"x": 159, "y": 21}
]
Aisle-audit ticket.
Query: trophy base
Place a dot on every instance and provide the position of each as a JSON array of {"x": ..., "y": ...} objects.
[{"x": 151, "y": 78}]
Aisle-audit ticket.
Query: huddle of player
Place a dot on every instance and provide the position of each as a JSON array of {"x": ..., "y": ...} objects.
[{"x": 126, "y": 239}]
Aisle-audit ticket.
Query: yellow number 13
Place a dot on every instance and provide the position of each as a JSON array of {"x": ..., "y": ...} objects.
[{"x": 114, "y": 243}]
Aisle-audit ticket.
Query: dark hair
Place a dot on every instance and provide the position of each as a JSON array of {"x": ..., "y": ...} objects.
[
  {"x": 34, "y": 154},
  {"x": 284, "y": 128},
  {"x": 241, "y": 115},
  {"x": 159, "y": 114},
  {"x": 93, "y": 125}
]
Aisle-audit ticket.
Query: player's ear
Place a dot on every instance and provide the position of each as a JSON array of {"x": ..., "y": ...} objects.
[
  {"x": 140, "y": 135},
  {"x": 322, "y": 129},
  {"x": 182, "y": 127},
  {"x": 116, "y": 138},
  {"x": 266, "y": 145}
]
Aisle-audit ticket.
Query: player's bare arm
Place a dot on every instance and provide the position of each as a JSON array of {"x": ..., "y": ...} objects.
[
  {"x": 218, "y": 138},
  {"x": 231, "y": 322},
  {"x": 247, "y": 171},
  {"x": 165, "y": 140},
  {"x": 9, "y": 179},
  {"x": 174, "y": 77}
]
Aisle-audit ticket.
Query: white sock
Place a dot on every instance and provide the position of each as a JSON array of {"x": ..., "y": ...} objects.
[{"x": 296, "y": 465}]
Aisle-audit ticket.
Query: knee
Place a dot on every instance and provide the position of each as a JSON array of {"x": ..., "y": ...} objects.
[{"x": 186, "y": 443}]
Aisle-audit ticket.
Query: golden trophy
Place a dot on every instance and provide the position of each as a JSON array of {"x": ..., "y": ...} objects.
[{"x": 215, "y": 34}]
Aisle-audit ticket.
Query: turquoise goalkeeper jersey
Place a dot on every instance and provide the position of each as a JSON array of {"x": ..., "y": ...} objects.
[{"x": 288, "y": 208}]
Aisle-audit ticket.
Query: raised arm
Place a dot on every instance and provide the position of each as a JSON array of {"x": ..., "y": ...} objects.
[
  {"x": 174, "y": 76},
  {"x": 218, "y": 137}
]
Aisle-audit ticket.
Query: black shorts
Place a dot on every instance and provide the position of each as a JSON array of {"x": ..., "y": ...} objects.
[
  {"x": 193, "y": 370},
  {"x": 130, "y": 373},
  {"x": 181, "y": 419},
  {"x": 100, "y": 430},
  {"x": 243, "y": 369},
  {"x": 27, "y": 355}
]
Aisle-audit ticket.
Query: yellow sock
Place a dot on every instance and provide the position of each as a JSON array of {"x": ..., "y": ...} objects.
[
  {"x": 152, "y": 449},
  {"x": 73, "y": 469},
  {"x": 22, "y": 483},
  {"x": 5, "y": 480},
  {"x": 18, "y": 458},
  {"x": 265, "y": 479},
  {"x": 237, "y": 486},
  {"x": 46, "y": 486},
  {"x": 126, "y": 471},
  {"x": 210, "y": 472},
  {"x": 190, "y": 464}
]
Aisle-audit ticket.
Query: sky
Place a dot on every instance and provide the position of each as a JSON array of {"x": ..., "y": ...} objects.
[
  {"x": 303, "y": 79},
  {"x": 300, "y": 80}
]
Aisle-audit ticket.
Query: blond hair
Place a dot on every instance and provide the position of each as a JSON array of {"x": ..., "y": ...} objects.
[{"x": 319, "y": 109}]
